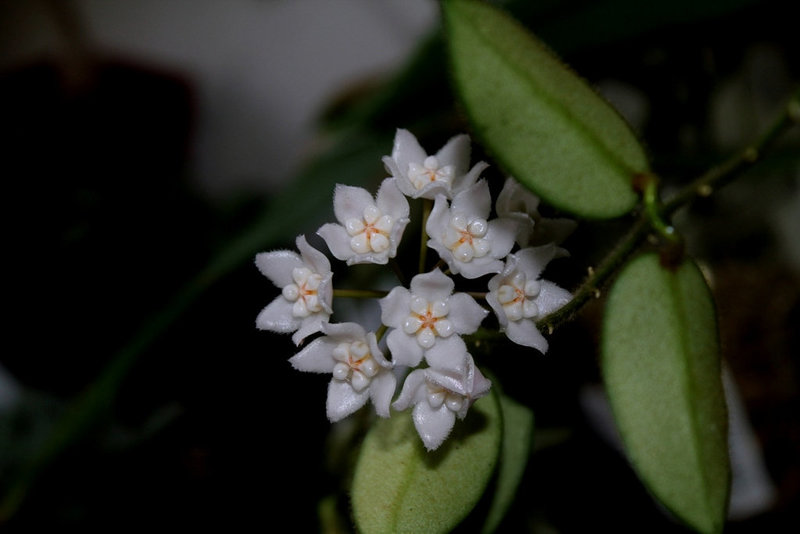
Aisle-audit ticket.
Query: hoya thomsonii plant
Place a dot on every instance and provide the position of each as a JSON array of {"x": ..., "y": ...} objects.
[
  {"x": 423, "y": 323},
  {"x": 428, "y": 457}
]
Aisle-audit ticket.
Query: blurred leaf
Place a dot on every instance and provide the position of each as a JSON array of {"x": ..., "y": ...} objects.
[
  {"x": 541, "y": 122},
  {"x": 398, "y": 486},
  {"x": 517, "y": 436},
  {"x": 660, "y": 361},
  {"x": 300, "y": 207}
]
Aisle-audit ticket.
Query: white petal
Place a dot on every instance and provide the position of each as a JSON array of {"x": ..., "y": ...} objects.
[
  {"x": 447, "y": 355},
  {"x": 502, "y": 233},
  {"x": 491, "y": 298},
  {"x": 533, "y": 260},
  {"x": 404, "y": 348},
  {"x": 337, "y": 239},
  {"x": 456, "y": 153},
  {"x": 406, "y": 149},
  {"x": 391, "y": 200},
  {"x": 277, "y": 317},
  {"x": 476, "y": 201},
  {"x": 439, "y": 219},
  {"x": 434, "y": 285},
  {"x": 514, "y": 197},
  {"x": 465, "y": 313},
  {"x": 433, "y": 426},
  {"x": 313, "y": 258},
  {"x": 479, "y": 267},
  {"x": 551, "y": 297},
  {"x": 344, "y": 400},
  {"x": 414, "y": 390},
  {"x": 317, "y": 357},
  {"x": 278, "y": 265},
  {"x": 395, "y": 306},
  {"x": 381, "y": 392},
  {"x": 464, "y": 182},
  {"x": 310, "y": 325},
  {"x": 396, "y": 234},
  {"x": 344, "y": 332},
  {"x": 349, "y": 202},
  {"x": 525, "y": 333}
]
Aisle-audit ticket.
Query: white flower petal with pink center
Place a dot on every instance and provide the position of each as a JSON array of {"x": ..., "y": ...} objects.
[
  {"x": 519, "y": 297},
  {"x": 304, "y": 304},
  {"x": 517, "y": 202},
  {"x": 471, "y": 245},
  {"x": 427, "y": 315},
  {"x": 440, "y": 396},
  {"x": 422, "y": 176},
  {"x": 360, "y": 371},
  {"x": 370, "y": 229}
]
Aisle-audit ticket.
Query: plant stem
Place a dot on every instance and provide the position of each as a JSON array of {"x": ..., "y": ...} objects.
[
  {"x": 723, "y": 173},
  {"x": 591, "y": 286},
  {"x": 654, "y": 214}
]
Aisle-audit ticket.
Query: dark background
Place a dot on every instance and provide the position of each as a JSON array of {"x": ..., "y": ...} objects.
[{"x": 145, "y": 394}]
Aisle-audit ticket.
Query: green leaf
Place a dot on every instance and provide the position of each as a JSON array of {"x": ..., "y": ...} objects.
[
  {"x": 660, "y": 361},
  {"x": 541, "y": 122},
  {"x": 398, "y": 486},
  {"x": 517, "y": 435}
]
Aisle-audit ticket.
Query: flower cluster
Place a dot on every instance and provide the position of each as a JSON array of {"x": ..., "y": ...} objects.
[{"x": 426, "y": 320}]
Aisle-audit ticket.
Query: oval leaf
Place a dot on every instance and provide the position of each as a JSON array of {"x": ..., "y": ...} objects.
[
  {"x": 398, "y": 486},
  {"x": 660, "y": 361},
  {"x": 545, "y": 125},
  {"x": 517, "y": 436}
]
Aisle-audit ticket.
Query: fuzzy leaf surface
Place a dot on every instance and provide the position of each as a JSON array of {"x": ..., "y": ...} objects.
[
  {"x": 539, "y": 120},
  {"x": 398, "y": 486},
  {"x": 660, "y": 363}
]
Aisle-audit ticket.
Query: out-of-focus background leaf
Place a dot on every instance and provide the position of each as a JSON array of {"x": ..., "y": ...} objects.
[{"x": 128, "y": 247}]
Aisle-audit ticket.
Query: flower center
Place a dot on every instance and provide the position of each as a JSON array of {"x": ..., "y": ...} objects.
[
  {"x": 427, "y": 320},
  {"x": 370, "y": 233},
  {"x": 466, "y": 237},
  {"x": 428, "y": 172},
  {"x": 517, "y": 295},
  {"x": 438, "y": 395},
  {"x": 354, "y": 364},
  {"x": 303, "y": 292}
]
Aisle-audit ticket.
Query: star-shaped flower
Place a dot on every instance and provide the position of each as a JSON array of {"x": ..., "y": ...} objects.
[
  {"x": 439, "y": 397},
  {"x": 360, "y": 372},
  {"x": 429, "y": 315},
  {"x": 306, "y": 296},
  {"x": 370, "y": 229},
  {"x": 470, "y": 244},
  {"x": 420, "y": 175},
  {"x": 518, "y": 297},
  {"x": 519, "y": 203}
]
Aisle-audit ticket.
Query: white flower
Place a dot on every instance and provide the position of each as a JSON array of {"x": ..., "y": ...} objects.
[
  {"x": 360, "y": 372},
  {"x": 306, "y": 296},
  {"x": 370, "y": 229},
  {"x": 439, "y": 397},
  {"x": 518, "y": 297},
  {"x": 519, "y": 203},
  {"x": 461, "y": 234},
  {"x": 419, "y": 175},
  {"x": 428, "y": 316}
]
